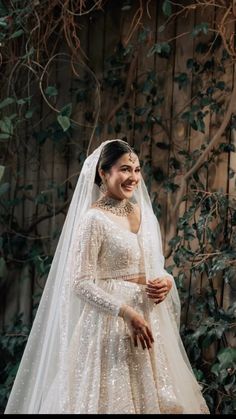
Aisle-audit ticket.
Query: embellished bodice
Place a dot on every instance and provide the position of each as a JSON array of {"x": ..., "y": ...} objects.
[
  {"x": 103, "y": 251},
  {"x": 120, "y": 251}
]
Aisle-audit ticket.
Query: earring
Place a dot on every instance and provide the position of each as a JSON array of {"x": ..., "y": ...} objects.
[{"x": 103, "y": 187}]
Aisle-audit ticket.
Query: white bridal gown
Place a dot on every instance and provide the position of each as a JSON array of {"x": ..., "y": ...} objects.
[{"x": 107, "y": 373}]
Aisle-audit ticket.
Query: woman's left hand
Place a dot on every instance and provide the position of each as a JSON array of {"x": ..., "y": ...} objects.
[{"x": 157, "y": 289}]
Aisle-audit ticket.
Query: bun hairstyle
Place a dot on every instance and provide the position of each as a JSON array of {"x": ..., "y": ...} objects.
[{"x": 111, "y": 152}]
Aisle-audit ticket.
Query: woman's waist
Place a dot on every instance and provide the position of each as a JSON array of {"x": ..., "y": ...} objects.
[
  {"x": 123, "y": 276},
  {"x": 125, "y": 290}
]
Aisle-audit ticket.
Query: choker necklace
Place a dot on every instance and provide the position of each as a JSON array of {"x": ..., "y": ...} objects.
[{"x": 121, "y": 208}]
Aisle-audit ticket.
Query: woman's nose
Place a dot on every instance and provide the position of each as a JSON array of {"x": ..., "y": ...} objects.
[{"x": 133, "y": 176}]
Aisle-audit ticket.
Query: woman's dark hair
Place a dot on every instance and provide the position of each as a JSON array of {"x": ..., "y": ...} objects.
[{"x": 111, "y": 152}]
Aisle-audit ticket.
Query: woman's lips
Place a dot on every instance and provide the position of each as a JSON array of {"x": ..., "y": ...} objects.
[{"x": 128, "y": 187}]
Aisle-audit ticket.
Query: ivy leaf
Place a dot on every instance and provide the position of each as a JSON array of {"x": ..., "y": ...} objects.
[
  {"x": 140, "y": 111},
  {"x": 29, "y": 53},
  {"x": 227, "y": 148},
  {"x": 231, "y": 173},
  {"x": 6, "y": 102},
  {"x": 202, "y": 27},
  {"x": 220, "y": 85},
  {"x": 227, "y": 357},
  {"x": 170, "y": 186},
  {"x": 4, "y": 188},
  {"x": 167, "y": 8},
  {"x": 158, "y": 174},
  {"x": 182, "y": 79},
  {"x": 201, "y": 48},
  {"x": 3, "y": 22},
  {"x": 161, "y": 28},
  {"x": 6, "y": 126},
  {"x": 163, "y": 146},
  {"x": 200, "y": 125},
  {"x": 2, "y": 169},
  {"x": 16, "y": 34},
  {"x": 51, "y": 91},
  {"x": 4, "y": 136},
  {"x": 29, "y": 114},
  {"x": 163, "y": 49},
  {"x": 64, "y": 122},
  {"x": 174, "y": 241},
  {"x": 67, "y": 110}
]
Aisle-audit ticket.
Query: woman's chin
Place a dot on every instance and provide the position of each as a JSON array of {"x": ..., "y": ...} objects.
[{"x": 127, "y": 194}]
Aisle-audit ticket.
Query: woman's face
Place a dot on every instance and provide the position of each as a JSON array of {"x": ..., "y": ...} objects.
[{"x": 123, "y": 177}]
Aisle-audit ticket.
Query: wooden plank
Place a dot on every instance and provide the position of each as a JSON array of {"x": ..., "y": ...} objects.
[
  {"x": 197, "y": 138},
  {"x": 146, "y": 36},
  {"x": 95, "y": 52},
  {"x": 29, "y": 166},
  {"x": 80, "y": 133},
  {"x": 46, "y": 117},
  {"x": 162, "y": 132},
  {"x": 60, "y": 147},
  {"x": 218, "y": 171},
  {"x": 181, "y": 97},
  {"x": 113, "y": 35},
  {"x": 229, "y": 296}
]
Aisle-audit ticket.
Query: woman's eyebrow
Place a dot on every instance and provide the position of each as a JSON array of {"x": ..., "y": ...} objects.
[{"x": 128, "y": 165}]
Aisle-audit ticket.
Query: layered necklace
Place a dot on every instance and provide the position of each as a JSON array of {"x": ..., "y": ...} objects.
[{"x": 117, "y": 207}]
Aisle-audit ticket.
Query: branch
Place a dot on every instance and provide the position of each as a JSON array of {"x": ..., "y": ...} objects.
[
  {"x": 129, "y": 81},
  {"x": 45, "y": 217},
  {"x": 216, "y": 137},
  {"x": 195, "y": 167}
]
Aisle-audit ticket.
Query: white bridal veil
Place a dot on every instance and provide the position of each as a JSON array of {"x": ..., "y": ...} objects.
[{"x": 45, "y": 355}]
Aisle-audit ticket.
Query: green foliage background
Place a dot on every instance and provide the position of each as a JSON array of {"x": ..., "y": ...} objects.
[{"x": 202, "y": 249}]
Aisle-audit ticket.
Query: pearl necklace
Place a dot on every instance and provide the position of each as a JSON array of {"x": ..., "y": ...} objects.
[{"x": 121, "y": 208}]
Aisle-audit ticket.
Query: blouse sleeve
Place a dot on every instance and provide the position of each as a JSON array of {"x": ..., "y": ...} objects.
[{"x": 84, "y": 260}]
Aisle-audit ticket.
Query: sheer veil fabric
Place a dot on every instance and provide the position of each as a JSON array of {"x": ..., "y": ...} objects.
[{"x": 46, "y": 353}]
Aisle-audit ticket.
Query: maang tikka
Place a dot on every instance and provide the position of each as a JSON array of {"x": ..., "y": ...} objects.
[{"x": 132, "y": 159}]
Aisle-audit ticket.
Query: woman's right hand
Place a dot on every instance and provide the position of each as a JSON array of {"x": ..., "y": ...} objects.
[{"x": 138, "y": 326}]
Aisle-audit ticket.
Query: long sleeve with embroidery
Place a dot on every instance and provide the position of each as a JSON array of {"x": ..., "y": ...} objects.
[{"x": 84, "y": 259}]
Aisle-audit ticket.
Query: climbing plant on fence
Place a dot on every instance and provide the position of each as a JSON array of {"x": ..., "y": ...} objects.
[{"x": 201, "y": 251}]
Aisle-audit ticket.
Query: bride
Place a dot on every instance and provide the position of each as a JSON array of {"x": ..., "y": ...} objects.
[{"x": 106, "y": 335}]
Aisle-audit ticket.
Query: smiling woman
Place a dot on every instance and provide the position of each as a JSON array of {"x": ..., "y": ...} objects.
[
  {"x": 106, "y": 335},
  {"x": 118, "y": 177}
]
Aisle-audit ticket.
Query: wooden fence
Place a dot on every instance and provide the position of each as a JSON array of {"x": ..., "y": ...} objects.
[{"x": 43, "y": 162}]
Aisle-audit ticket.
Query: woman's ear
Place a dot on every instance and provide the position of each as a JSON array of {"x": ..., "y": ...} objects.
[{"x": 101, "y": 173}]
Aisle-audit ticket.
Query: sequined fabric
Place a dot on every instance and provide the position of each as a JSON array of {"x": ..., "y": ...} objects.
[{"x": 108, "y": 375}]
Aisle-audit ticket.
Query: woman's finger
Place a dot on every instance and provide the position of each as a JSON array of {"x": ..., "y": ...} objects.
[
  {"x": 142, "y": 341},
  {"x": 147, "y": 340},
  {"x": 150, "y": 334},
  {"x": 156, "y": 295},
  {"x": 135, "y": 337},
  {"x": 157, "y": 286}
]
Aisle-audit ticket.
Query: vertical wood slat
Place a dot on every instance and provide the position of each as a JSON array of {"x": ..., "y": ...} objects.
[
  {"x": 30, "y": 154},
  {"x": 63, "y": 78},
  {"x": 95, "y": 63},
  {"x": 126, "y": 17},
  {"x": 218, "y": 172},
  {"x": 79, "y": 135},
  {"x": 45, "y": 175},
  {"x": 146, "y": 64},
  {"x": 163, "y": 134},
  {"x": 197, "y": 138},
  {"x": 179, "y": 129},
  {"x": 110, "y": 40}
]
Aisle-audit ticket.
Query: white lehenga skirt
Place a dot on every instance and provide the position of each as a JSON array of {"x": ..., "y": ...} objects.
[{"x": 108, "y": 375}]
